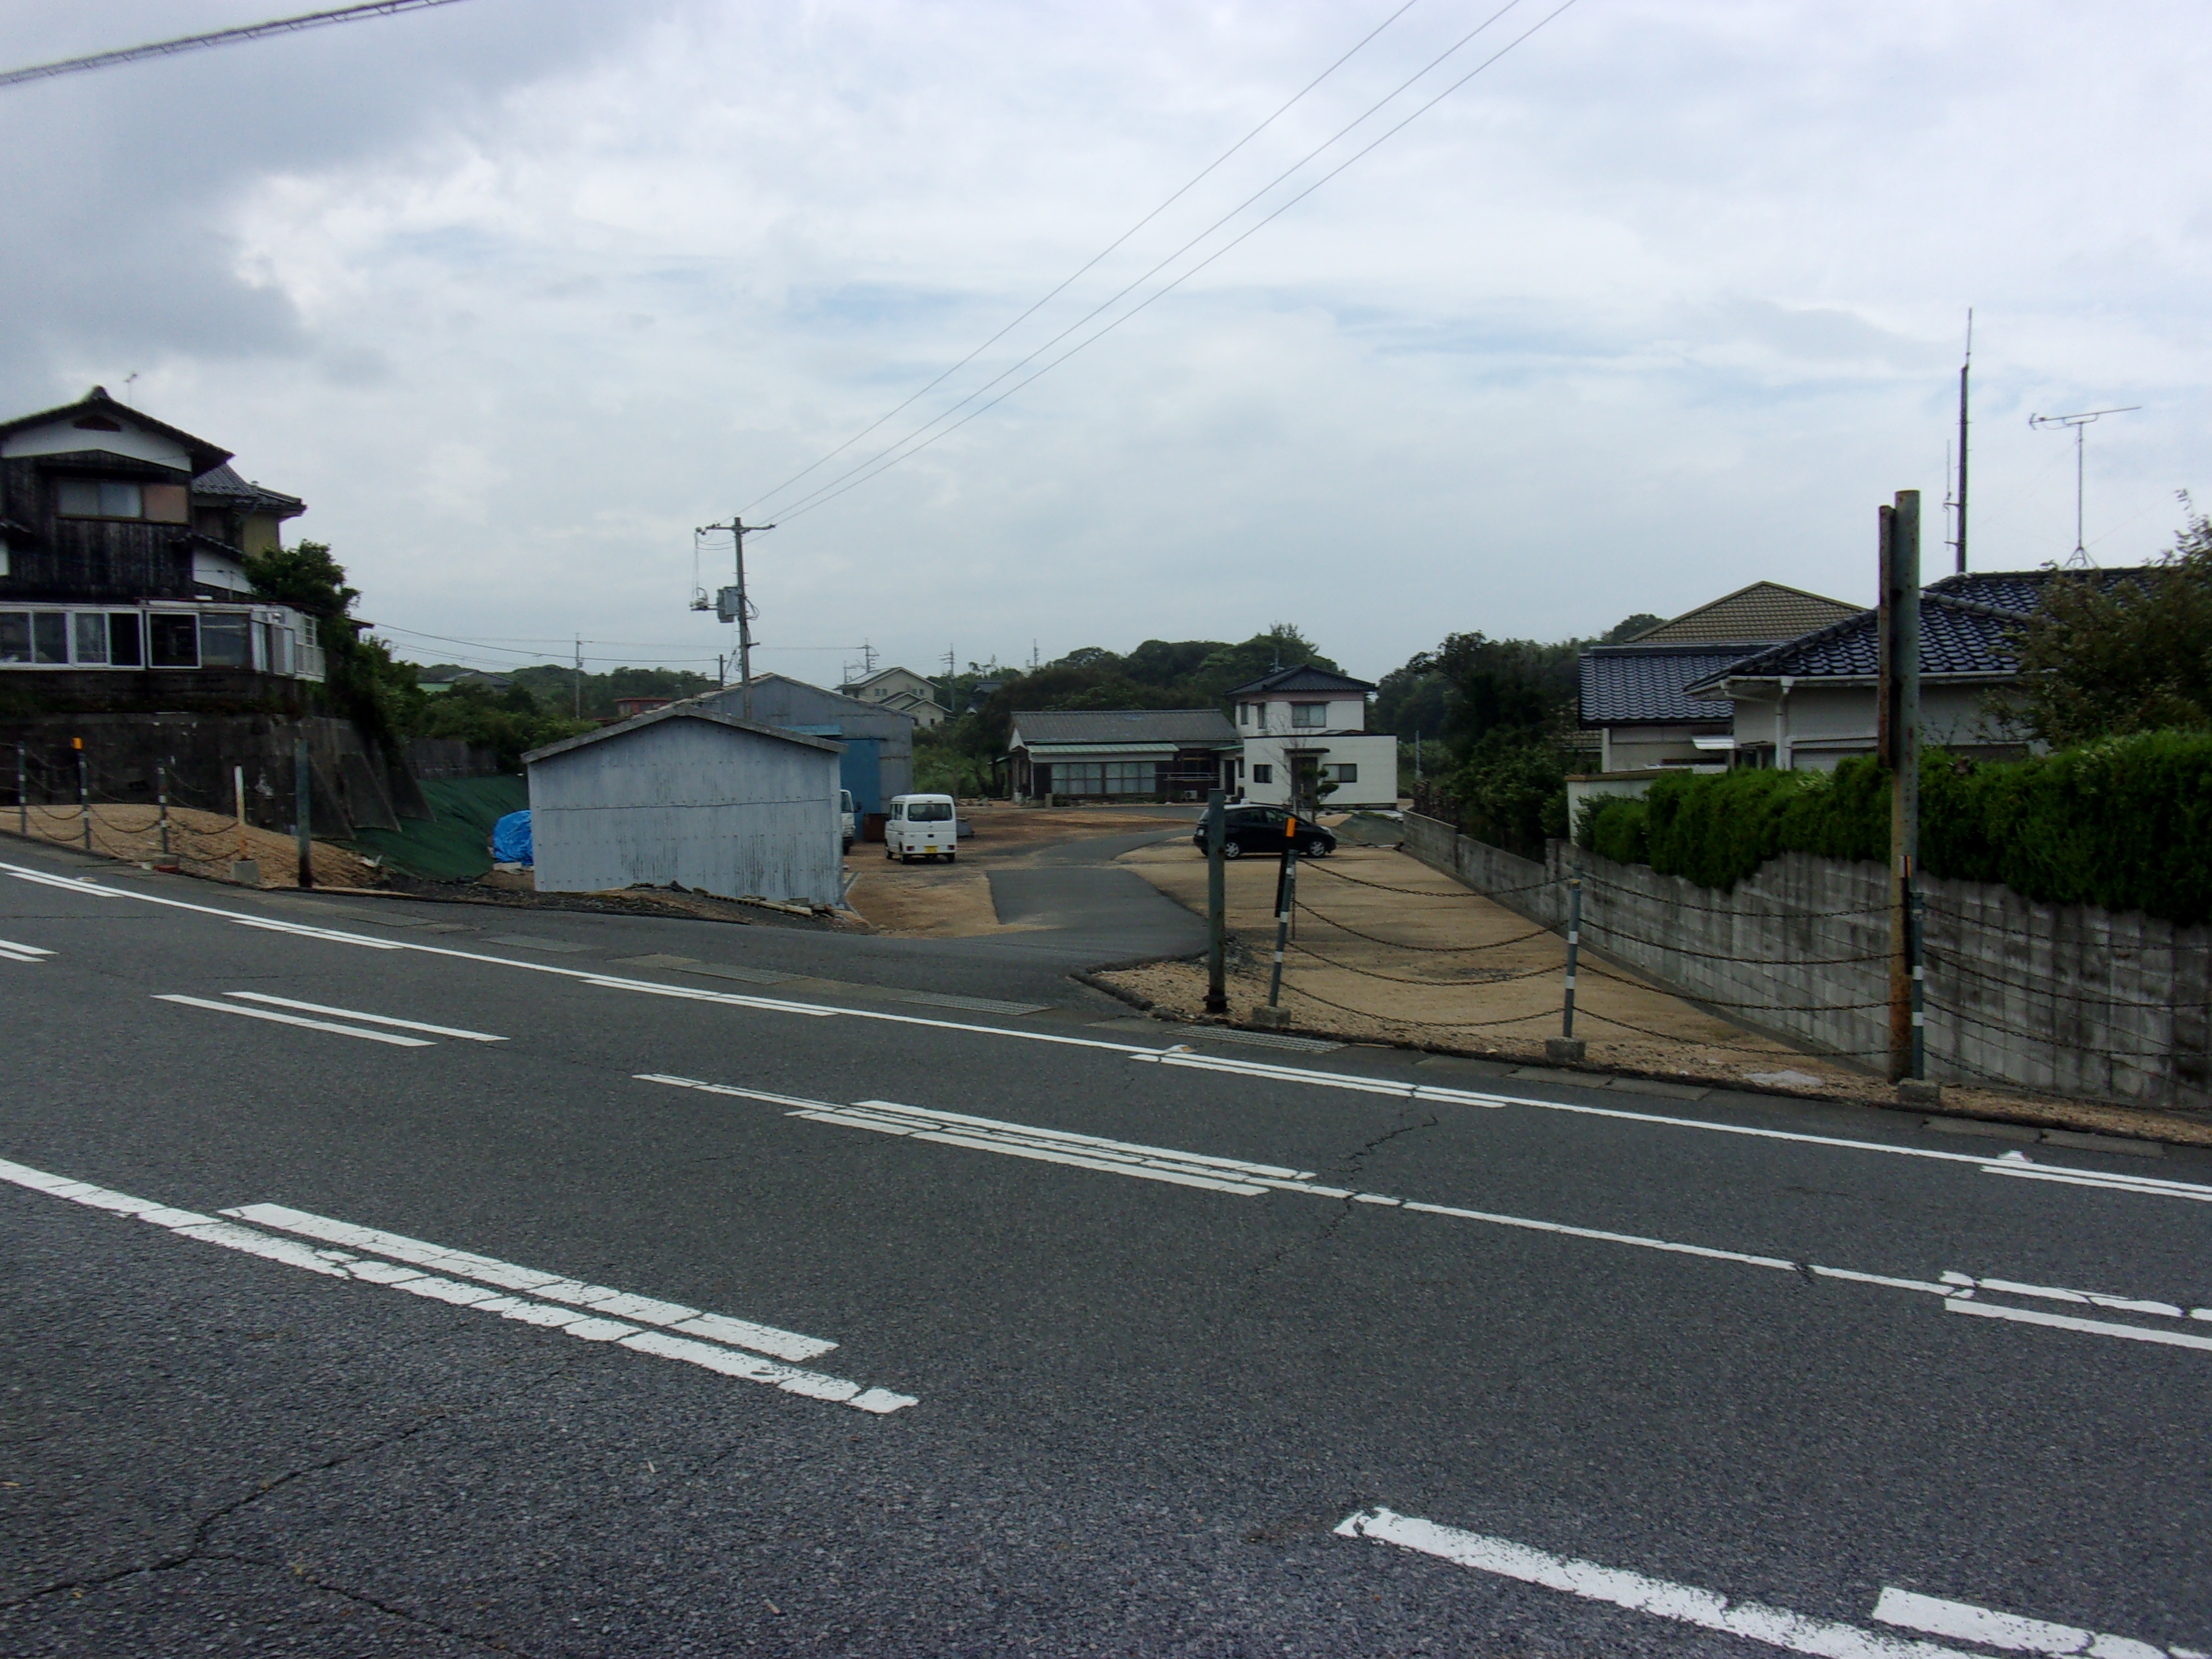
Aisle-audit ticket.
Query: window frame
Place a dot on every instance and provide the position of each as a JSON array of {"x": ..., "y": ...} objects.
[{"x": 1317, "y": 712}]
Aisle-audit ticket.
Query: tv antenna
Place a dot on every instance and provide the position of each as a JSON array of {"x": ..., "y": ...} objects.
[{"x": 2079, "y": 558}]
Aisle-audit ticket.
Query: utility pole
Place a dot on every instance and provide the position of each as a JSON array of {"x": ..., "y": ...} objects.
[
  {"x": 2079, "y": 557},
  {"x": 1900, "y": 742},
  {"x": 580, "y": 677},
  {"x": 303, "y": 790},
  {"x": 732, "y": 604},
  {"x": 1965, "y": 368}
]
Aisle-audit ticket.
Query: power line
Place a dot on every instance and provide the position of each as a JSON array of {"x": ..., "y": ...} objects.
[
  {"x": 1178, "y": 195},
  {"x": 312, "y": 20},
  {"x": 830, "y": 492}
]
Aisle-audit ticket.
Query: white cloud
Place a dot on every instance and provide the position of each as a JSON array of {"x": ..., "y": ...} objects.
[{"x": 517, "y": 294}]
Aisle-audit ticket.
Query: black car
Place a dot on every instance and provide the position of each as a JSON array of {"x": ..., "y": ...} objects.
[{"x": 1266, "y": 829}]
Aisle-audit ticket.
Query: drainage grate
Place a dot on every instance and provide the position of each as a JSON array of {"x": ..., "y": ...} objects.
[
  {"x": 1262, "y": 1039},
  {"x": 976, "y": 1005}
]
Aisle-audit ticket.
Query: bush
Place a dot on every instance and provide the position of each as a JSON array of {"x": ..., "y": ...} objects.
[{"x": 2125, "y": 825}]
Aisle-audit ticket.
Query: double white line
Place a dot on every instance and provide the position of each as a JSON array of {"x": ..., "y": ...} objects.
[
  {"x": 275, "y": 1003},
  {"x": 11, "y": 951}
]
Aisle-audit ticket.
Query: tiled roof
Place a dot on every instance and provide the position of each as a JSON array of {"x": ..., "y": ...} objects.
[
  {"x": 1764, "y": 610},
  {"x": 223, "y": 483},
  {"x": 1193, "y": 727},
  {"x": 1304, "y": 678},
  {"x": 1624, "y": 683}
]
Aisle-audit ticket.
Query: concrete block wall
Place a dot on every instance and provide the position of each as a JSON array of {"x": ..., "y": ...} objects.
[{"x": 2064, "y": 998}]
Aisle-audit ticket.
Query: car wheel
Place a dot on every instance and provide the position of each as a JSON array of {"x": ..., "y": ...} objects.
[
  {"x": 1316, "y": 848},
  {"x": 887, "y": 851},
  {"x": 1233, "y": 850},
  {"x": 952, "y": 857}
]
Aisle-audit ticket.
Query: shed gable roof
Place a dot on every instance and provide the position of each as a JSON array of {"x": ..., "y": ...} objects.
[
  {"x": 97, "y": 405},
  {"x": 679, "y": 711}
]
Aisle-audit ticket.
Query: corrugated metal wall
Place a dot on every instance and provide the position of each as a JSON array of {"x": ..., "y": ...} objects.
[{"x": 687, "y": 801}]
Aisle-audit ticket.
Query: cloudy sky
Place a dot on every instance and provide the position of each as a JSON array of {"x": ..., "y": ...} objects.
[{"x": 517, "y": 293}]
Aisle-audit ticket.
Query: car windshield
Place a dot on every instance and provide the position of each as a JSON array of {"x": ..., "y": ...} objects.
[{"x": 929, "y": 811}]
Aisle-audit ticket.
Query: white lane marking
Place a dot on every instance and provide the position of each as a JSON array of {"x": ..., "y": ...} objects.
[
  {"x": 1251, "y": 1180},
  {"x": 393, "y": 1038},
  {"x": 2011, "y": 1165},
  {"x": 373, "y": 1019},
  {"x": 2066, "y": 1322},
  {"x": 1684, "y": 1604},
  {"x": 2141, "y": 1185},
  {"x": 1963, "y": 1621},
  {"x": 588, "y": 1325},
  {"x": 15, "y": 952},
  {"x": 2059, "y": 1293},
  {"x": 549, "y": 1287}
]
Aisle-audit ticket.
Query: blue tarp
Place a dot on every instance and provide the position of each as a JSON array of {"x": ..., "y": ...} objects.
[{"x": 510, "y": 839}]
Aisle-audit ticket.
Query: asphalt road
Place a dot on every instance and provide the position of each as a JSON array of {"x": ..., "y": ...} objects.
[{"x": 522, "y": 1342}]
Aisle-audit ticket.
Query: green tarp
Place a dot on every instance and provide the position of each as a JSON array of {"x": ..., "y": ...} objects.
[{"x": 452, "y": 848}]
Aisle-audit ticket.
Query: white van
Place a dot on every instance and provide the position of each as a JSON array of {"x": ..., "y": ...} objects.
[
  {"x": 845, "y": 820},
  {"x": 926, "y": 826}
]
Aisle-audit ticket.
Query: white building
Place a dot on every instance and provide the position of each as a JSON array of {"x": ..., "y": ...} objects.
[
  {"x": 901, "y": 689},
  {"x": 1306, "y": 727}
]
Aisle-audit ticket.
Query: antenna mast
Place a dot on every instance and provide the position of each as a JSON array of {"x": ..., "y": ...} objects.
[
  {"x": 2079, "y": 558},
  {"x": 1965, "y": 368}
]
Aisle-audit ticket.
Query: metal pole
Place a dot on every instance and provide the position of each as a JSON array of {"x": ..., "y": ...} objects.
[
  {"x": 1902, "y": 692},
  {"x": 161, "y": 795},
  {"x": 580, "y": 677},
  {"x": 1917, "y": 916},
  {"x": 1965, "y": 368},
  {"x": 1574, "y": 953},
  {"x": 83, "y": 793},
  {"x": 22, "y": 791},
  {"x": 238, "y": 794},
  {"x": 2081, "y": 551},
  {"x": 303, "y": 789},
  {"x": 1217, "y": 903},
  {"x": 744, "y": 620},
  {"x": 1286, "y": 896}
]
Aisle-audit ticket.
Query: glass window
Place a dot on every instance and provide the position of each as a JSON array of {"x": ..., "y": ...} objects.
[
  {"x": 76, "y": 498},
  {"x": 91, "y": 629},
  {"x": 1308, "y": 714},
  {"x": 223, "y": 640},
  {"x": 1262, "y": 772},
  {"x": 1243, "y": 713},
  {"x": 102, "y": 498},
  {"x": 121, "y": 498},
  {"x": 49, "y": 636},
  {"x": 123, "y": 640},
  {"x": 929, "y": 811},
  {"x": 1346, "y": 773},
  {"x": 15, "y": 637},
  {"x": 175, "y": 639}
]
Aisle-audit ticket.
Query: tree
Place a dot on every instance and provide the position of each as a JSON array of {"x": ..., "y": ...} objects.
[
  {"x": 2101, "y": 658},
  {"x": 370, "y": 685}
]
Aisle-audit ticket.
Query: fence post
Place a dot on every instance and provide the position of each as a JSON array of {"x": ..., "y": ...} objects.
[
  {"x": 1567, "y": 1045},
  {"x": 1286, "y": 893},
  {"x": 83, "y": 793},
  {"x": 303, "y": 780},
  {"x": 1217, "y": 904},
  {"x": 1917, "y": 948},
  {"x": 22, "y": 790},
  {"x": 237, "y": 796},
  {"x": 161, "y": 795}
]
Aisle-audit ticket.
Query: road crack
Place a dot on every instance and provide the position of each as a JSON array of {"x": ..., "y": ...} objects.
[{"x": 1345, "y": 1173}]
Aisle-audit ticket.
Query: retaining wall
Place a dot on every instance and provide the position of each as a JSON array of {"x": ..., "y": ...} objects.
[{"x": 2064, "y": 998}]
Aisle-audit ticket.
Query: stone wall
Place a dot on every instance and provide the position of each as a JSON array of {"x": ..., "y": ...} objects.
[{"x": 2063, "y": 998}]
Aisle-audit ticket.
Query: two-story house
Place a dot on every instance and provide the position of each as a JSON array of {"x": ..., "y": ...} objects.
[
  {"x": 901, "y": 689},
  {"x": 123, "y": 549},
  {"x": 1305, "y": 727}
]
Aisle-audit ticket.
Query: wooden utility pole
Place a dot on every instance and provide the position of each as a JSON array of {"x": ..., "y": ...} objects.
[
  {"x": 1217, "y": 903},
  {"x": 731, "y": 605},
  {"x": 1898, "y": 741}
]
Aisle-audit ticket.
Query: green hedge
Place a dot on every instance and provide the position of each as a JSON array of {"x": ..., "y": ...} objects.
[{"x": 2125, "y": 825}]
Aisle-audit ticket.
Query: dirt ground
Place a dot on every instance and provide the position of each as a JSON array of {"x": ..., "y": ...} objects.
[
  {"x": 953, "y": 901},
  {"x": 200, "y": 843}
]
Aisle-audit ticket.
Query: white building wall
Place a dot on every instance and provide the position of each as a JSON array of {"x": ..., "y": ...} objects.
[
  {"x": 64, "y": 437},
  {"x": 725, "y": 812},
  {"x": 1375, "y": 754}
]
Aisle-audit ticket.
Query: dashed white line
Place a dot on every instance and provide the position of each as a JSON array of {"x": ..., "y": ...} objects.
[
  {"x": 271, "y": 1015},
  {"x": 373, "y": 1019},
  {"x": 2068, "y": 1323},
  {"x": 591, "y": 1323}
]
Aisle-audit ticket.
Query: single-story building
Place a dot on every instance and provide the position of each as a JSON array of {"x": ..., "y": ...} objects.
[
  {"x": 1302, "y": 729},
  {"x": 878, "y": 740},
  {"x": 689, "y": 795},
  {"x": 1812, "y": 701},
  {"x": 1120, "y": 754}
]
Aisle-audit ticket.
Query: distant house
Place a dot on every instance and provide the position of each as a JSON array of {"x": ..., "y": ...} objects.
[
  {"x": 901, "y": 689},
  {"x": 1120, "y": 754},
  {"x": 877, "y": 739},
  {"x": 630, "y": 708},
  {"x": 123, "y": 549},
  {"x": 687, "y": 795},
  {"x": 1302, "y": 729},
  {"x": 1635, "y": 695},
  {"x": 1812, "y": 701}
]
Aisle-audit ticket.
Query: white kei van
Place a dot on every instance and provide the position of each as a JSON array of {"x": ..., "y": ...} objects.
[
  {"x": 845, "y": 820},
  {"x": 922, "y": 826}
]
